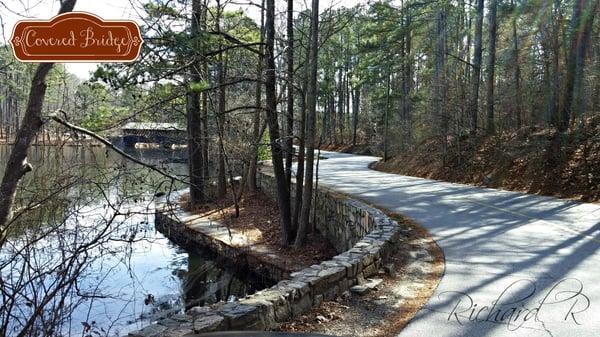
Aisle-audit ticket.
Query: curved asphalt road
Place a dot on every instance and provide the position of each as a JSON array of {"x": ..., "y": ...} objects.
[{"x": 516, "y": 264}]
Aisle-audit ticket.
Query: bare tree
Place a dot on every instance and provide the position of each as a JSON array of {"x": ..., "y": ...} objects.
[
  {"x": 75, "y": 222},
  {"x": 17, "y": 165}
]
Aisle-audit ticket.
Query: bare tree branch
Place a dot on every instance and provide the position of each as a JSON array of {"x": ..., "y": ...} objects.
[{"x": 110, "y": 145}]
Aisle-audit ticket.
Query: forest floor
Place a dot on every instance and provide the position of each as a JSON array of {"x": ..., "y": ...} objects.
[
  {"x": 258, "y": 221},
  {"x": 362, "y": 149},
  {"x": 387, "y": 309},
  {"x": 526, "y": 160}
]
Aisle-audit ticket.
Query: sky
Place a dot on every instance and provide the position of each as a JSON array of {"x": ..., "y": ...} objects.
[{"x": 12, "y": 11}]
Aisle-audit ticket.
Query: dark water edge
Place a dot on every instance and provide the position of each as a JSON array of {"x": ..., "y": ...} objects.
[
  {"x": 244, "y": 280},
  {"x": 142, "y": 280}
]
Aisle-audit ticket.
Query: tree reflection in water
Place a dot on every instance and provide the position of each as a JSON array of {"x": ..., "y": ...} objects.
[{"x": 84, "y": 233}]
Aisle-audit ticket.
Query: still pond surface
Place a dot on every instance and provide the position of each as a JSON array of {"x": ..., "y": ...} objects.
[{"x": 132, "y": 275}]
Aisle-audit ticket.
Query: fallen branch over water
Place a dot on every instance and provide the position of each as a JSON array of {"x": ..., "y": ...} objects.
[{"x": 106, "y": 142}]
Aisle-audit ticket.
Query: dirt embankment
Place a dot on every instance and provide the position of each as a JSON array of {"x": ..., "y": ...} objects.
[
  {"x": 533, "y": 160},
  {"x": 258, "y": 222},
  {"x": 362, "y": 149}
]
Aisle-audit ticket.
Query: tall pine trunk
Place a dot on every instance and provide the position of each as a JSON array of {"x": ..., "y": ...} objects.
[
  {"x": 552, "y": 107},
  {"x": 301, "y": 153},
  {"x": 517, "y": 67},
  {"x": 440, "y": 76},
  {"x": 355, "y": 108},
  {"x": 407, "y": 77},
  {"x": 474, "y": 101},
  {"x": 283, "y": 192},
  {"x": 289, "y": 143},
  {"x": 584, "y": 12},
  {"x": 491, "y": 66},
  {"x": 386, "y": 118},
  {"x": 221, "y": 92},
  {"x": 194, "y": 118},
  {"x": 311, "y": 103},
  {"x": 256, "y": 134}
]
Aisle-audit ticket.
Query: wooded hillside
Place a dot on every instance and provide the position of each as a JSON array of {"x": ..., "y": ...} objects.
[{"x": 386, "y": 76}]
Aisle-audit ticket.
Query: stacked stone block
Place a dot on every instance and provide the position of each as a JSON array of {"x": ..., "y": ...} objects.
[{"x": 364, "y": 237}]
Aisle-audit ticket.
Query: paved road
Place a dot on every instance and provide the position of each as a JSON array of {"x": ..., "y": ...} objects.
[{"x": 516, "y": 264}]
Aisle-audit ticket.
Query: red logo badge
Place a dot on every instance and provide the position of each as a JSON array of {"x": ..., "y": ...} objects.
[{"x": 76, "y": 37}]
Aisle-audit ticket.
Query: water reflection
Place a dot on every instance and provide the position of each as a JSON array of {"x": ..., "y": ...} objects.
[{"x": 133, "y": 275}]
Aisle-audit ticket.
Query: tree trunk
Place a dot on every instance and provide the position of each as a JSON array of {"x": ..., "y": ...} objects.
[
  {"x": 311, "y": 102},
  {"x": 407, "y": 78},
  {"x": 289, "y": 143},
  {"x": 340, "y": 106},
  {"x": 204, "y": 95},
  {"x": 194, "y": 127},
  {"x": 258, "y": 97},
  {"x": 581, "y": 26},
  {"x": 301, "y": 154},
  {"x": 17, "y": 165},
  {"x": 517, "y": 67},
  {"x": 597, "y": 65},
  {"x": 440, "y": 76},
  {"x": 474, "y": 101},
  {"x": 355, "y": 107},
  {"x": 283, "y": 192},
  {"x": 386, "y": 117},
  {"x": 468, "y": 44},
  {"x": 221, "y": 174},
  {"x": 205, "y": 136},
  {"x": 347, "y": 89},
  {"x": 491, "y": 65},
  {"x": 333, "y": 115},
  {"x": 579, "y": 103},
  {"x": 552, "y": 106}
]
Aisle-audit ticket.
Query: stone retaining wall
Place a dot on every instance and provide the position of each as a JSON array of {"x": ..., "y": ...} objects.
[
  {"x": 371, "y": 237},
  {"x": 340, "y": 220},
  {"x": 197, "y": 235}
]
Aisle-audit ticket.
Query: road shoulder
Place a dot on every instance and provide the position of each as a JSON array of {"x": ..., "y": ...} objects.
[{"x": 409, "y": 279}]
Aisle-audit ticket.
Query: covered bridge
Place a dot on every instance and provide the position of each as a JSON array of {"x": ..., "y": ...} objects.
[{"x": 165, "y": 134}]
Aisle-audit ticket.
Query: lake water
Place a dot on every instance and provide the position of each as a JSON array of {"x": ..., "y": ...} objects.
[{"x": 131, "y": 275}]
